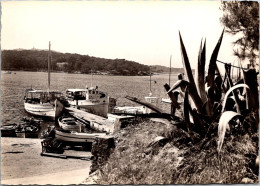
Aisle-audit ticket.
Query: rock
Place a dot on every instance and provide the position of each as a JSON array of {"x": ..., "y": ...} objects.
[
  {"x": 247, "y": 180},
  {"x": 156, "y": 145},
  {"x": 159, "y": 140},
  {"x": 257, "y": 161}
]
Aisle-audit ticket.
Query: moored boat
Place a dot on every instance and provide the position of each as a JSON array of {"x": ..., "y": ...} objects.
[
  {"x": 69, "y": 123},
  {"x": 8, "y": 130},
  {"x": 76, "y": 137},
  {"x": 31, "y": 121},
  {"x": 27, "y": 131},
  {"x": 129, "y": 110},
  {"x": 44, "y": 103},
  {"x": 89, "y": 99}
]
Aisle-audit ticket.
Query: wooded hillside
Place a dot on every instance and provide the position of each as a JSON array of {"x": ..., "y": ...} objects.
[{"x": 37, "y": 60}]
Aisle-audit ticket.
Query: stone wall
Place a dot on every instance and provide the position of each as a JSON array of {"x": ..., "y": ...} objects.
[{"x": 102, "y": 147}]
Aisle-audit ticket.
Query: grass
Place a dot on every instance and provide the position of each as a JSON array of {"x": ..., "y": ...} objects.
[{"x": 178, "y": 162}]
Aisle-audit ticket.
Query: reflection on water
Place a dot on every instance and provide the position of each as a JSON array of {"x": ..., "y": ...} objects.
[{"x": 14, "y": 85}]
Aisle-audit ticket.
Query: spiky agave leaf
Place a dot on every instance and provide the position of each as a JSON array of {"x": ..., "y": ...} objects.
[
  {"x": 200, "y": 73},
  {"x": 223, "y": 126},
  {"x": 230, "y": 83},
  {"x": 229, "y": 91},
  {"x": 187, "y": 108},
  {"x": 197, "y": 68},
  {"x": 186, "y": 64},
  {"x": 180, "y": 83},
  {"x": 212, "y": 63}
]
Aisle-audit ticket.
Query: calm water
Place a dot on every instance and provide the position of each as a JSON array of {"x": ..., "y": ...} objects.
[{"x": 14, "y": 85}]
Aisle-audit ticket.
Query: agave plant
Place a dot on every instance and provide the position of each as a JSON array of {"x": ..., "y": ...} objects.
[
  {"x": 206, "y": 97},
  {"x": 195, "y": 92}
]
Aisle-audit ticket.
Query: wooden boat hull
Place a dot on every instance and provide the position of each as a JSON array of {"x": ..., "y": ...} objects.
[
  {"x": 46, "y": 110},
  {"x": 75, "y": 127},
  {"x": 27, "y": 134},
  {"x": 8, "y": 130},
  {"x": 27, "y": 131},
  {"x": 129, "y": 110},
  {"x": 76, "y": 137},
  {"x": 100, "y": 109}
]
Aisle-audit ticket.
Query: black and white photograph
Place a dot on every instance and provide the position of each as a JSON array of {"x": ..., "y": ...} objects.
[{"x": 129, "y": 92}]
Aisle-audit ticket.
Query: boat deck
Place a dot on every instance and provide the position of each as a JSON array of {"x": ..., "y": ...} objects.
[{"x": 95, "y": 122}]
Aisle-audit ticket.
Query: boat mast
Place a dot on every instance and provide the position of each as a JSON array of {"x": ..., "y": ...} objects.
[
  {"x": 170, "y": 71},
  {"x": 150, "y": 81},
  {"x": 49, "y": 61},
  {"x": 91, "y": 78}
]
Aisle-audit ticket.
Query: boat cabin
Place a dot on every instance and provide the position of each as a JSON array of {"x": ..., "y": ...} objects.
[
  {"x": 91, "y": 93},
  {"x": 94, "y": 94},
  {"x": 76, "y": 94},
  {"x": 41, "y": 96}
]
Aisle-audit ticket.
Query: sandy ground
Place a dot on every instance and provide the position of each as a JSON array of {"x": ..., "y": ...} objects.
[{"x": 21, "y": 163}]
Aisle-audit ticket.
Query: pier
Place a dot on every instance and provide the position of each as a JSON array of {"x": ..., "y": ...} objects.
[{"x": 96, "y": 122}]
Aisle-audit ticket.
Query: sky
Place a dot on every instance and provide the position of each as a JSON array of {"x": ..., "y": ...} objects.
[{"x": 146, "y": 32}]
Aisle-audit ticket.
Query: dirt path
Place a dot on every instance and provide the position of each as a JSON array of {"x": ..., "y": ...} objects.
[{"x": 21, "y": 163}]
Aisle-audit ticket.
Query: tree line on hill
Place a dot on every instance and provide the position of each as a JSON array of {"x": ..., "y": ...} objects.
[{"x": 37, "y": 60}]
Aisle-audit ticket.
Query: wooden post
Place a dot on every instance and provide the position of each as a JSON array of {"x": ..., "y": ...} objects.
[
  {"x": 170, "y": 70},
  {"x": 150, "y": 82},
  {"x": 49, "y": 61},
  {"x": 250, "y": 78},
  {"x": 77, "y": 104}
]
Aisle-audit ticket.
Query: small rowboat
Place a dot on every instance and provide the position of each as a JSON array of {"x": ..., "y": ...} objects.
[
  {"x": 8, "y": 130},
  {"x": 27, "y": 131},
  {"x": 69, "y": 123},
  {"x": 77, "y": 137}
]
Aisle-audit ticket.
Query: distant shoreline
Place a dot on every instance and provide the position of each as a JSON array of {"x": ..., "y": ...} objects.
[{"x": 105, "y": 74}]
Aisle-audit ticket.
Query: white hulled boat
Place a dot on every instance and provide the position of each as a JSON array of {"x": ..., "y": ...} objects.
[
  {"x": 43, "y": 103},
  {"x": 76, "y": 137},
  {"x": 69, "y": 123},
  {"x": 90, "y": 99}
]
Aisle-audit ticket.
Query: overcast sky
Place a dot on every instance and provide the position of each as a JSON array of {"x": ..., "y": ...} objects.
[{"x": 142, "y": 31}]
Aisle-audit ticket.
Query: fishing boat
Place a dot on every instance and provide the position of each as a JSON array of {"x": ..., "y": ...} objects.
[
  {"x": 8, "y": 130},
  {"x": 43, "y": 103},
  {"x": 76, "y": 137},
  {"x": 27, "y": 131},
  {"x": 89, "y": 99},
  {"x": 31, "y": 121},
  {"x": 69, "y": 123},
  {"x": 129, "y": 110},
  {"x": 30, "y": 125}
]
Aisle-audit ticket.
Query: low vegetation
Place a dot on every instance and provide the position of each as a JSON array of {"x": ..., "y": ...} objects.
[
  {"x": 134, "y": 161},
  {"x": 215, "y": 142}
]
